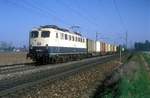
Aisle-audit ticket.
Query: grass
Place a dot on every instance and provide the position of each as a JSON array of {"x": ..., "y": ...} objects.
[
  {"x": 147, "y": 58},
  {"x": 136, "y": 85}
]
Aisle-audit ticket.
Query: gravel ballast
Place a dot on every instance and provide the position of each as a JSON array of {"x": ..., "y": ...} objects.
[{"x": 79, "y": 85}]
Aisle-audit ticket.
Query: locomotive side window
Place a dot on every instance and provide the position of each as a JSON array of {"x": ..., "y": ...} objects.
[
  {"x": 69, "y": 37},
  {"x": 34, "y": 34},
  {"x": 66, "y": 37},
  {"x": 83, "y": 40},
  {"x": 76, "y": 39},
  {"x": 56, "y": 35},
  {"x": 72, "y": 38},
  {"x": 45, "y": 34}
]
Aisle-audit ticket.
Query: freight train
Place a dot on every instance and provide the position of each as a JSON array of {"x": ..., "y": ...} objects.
[{"x": 51, "y": 44}]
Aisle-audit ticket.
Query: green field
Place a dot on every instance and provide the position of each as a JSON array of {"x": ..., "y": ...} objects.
[{"x": 134, "y": 83}]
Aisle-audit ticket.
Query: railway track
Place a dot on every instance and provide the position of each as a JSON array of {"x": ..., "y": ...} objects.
[
  {"x": 13, "y": 65},
  {"x": 7, "y": 69},
  {"x": 14, "y": 69},
  {"x": 50, "y": 73}
]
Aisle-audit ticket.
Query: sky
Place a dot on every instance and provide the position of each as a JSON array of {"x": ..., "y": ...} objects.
[{"x": 110, "y": 18}]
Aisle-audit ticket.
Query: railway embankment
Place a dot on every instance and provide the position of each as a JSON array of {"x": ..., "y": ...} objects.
[{"x": 82, "y": 84}]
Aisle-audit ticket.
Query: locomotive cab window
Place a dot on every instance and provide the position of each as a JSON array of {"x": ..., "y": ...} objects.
[
  {"x": 34, "y": 34},
  {"x": 45, "y": 34}
]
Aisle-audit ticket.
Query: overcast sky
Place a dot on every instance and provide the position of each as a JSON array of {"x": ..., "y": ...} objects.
[{"x": 111, "y": 18}]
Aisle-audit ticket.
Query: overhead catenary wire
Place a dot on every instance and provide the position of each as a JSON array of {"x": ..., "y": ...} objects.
[
  {"x": 119, "y": 14},
  {"x": 36, "y": 4},
  {"x": 78, "y": 13},
  {"x": 47, "y": 10},
  {"x": 43, "y": 12},
  {"x": 50, "y": 12},
  {"x": 121, "y": 21},
  {"x": 84, "y": 9},
  {"x": 34, "y": 8},
  {"x": 39, "y": 11},
  {"x": 22, "y": 6},
  {"x": 84, "y": 14}
]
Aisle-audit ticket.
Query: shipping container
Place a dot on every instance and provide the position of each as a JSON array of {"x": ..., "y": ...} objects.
[
  {"x": 98, "y": 46},
  {"x": 106, "y": 47},
  {"x": 91, "y": 46},
  {"x": 111, "y": 48},
  {"x": 115, "y": 48},
  {"x": 102, "y": 47}
]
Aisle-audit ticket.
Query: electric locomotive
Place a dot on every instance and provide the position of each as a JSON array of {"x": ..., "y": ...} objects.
[{"x": 51, "y": 44}]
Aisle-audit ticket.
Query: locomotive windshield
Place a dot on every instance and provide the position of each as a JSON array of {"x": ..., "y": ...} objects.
[
  {"x": 45, "y": 34},
  {"x": 34, "y": 34}
]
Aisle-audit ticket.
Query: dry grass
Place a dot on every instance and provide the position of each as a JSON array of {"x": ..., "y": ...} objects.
[{"x": 13, "y": 58}]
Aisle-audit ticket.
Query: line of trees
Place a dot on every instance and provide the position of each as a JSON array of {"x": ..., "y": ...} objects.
[
  {"x": 139, "y": 46},
  {"x": 4, "y": 46},
  {"x": 8, "y": 47}
]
